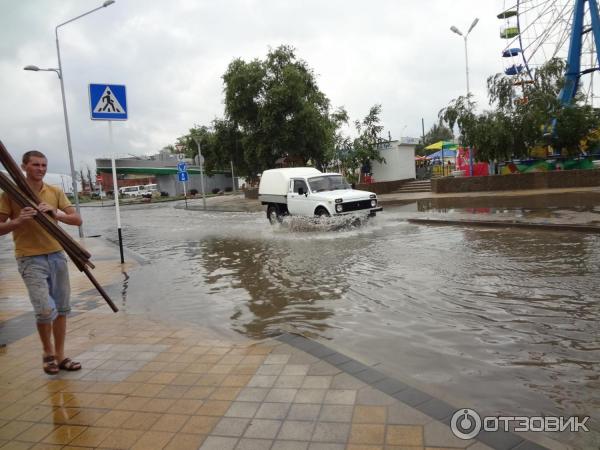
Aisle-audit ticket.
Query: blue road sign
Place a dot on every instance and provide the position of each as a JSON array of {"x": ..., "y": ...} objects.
[
  {"x": 183, "y": 176},
  {"x": 181, "y": 166},
  {"x": 108, "y": 102}
]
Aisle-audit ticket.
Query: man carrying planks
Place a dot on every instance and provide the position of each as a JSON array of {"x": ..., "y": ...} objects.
[{"x": 41, "y": 261}]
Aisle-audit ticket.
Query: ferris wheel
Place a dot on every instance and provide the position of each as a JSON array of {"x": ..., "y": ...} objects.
[{"x": 535, "y": 31}]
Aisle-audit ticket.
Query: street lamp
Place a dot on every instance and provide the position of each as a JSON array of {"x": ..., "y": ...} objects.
[
  {"x": 457, "y": 31},
  {"x": 60, "y": 74}
]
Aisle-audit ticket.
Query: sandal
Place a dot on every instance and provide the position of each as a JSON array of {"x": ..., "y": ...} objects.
[
  {"x": 50, "y": 366},
  {"x": 69, "y": 365}
]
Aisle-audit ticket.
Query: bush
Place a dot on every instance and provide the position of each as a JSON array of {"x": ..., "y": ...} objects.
[
  {"x": 193, "y": 191},
  {"x": 216, "y": 190},
  {"x": 164, "y": 194},
  {"x": 228, "y": 189}
]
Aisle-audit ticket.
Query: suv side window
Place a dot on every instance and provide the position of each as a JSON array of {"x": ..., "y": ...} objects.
[{"x": 300, "y": 184}]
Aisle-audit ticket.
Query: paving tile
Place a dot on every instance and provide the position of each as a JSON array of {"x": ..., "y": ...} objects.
[
  {"x": 390, "y": 386},
  {"x": 175, "y": 392},
  {"x": 352, "y": 367},
  {"x": 63, "y": 434},
  {"x": 290, "y": 445},
  {"x": 36, "y": 433},
  {"x": 159, "y": 405},
  {"x": 170, "y": 422},
  {"x": 263, "y": 429},
  {"x": 141, "y": 421},
  {"x": 302, "y": 357},
  {"x": 200, "y": 424},
  {"x": 331, "y": 432},
  {"x": 412, "y": 397},
  {"x": 251, "y": 394},
  {"x": 219, "y": 443},
  {"x": 346, "y": 381},
  {"x": 340, "y": 397},
  {"x": 337, "y": 359},
  {"x": 253, "y": 444},
  {"x": 295, "y": 430},
  {"x": 304, "y": 412},
  {"x": 336, "y": 413},
  {"x": 225, "y": 393},
  {"x": 242, "y": 409},
  {"x": 230, "y": 426},
  {"x": 277, "y": 359},
  {"x": 374, "y": 397},
  {"x": 500, "y": 440},
  {"x": 295, "y": 369},
  {"x": 153, "y": 440},
  {"x": 281, "y": 395},
  {"x": 289, "y": 381},
  {"x": 199, "y": 392},
  {"x": 270, "y": 369},
  {"x": 436, "y": 434},
  {"x": 437, "y": 409},
  {"x": 323, "y": 368},
  {"x": 264, "y": 381},
  {"x": 272, "y": 411},
  {"x": 91, "y": 437},
  {"x": 185, "y": 406},
  {"x": 182, "y": 441},
  {"x": 370, "y": 376},
  {"x": 325, "y": 446},
  {"x": 367, "y": 434},
  {"x": 402, "y": 414},
  {"x": 369, "y": 414},
  {"x": 214, "y": 408},
  {"x": 407, "y": 435},
  {"x": 310, "y": 395},
  {"x": 317, "y": 382}
]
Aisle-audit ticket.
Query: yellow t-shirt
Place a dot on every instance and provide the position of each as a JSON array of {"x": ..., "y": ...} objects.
[{"x": 30, "y": 238}]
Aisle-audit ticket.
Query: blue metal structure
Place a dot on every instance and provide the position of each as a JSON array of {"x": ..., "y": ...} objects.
[{"x": 574, "y": 72}]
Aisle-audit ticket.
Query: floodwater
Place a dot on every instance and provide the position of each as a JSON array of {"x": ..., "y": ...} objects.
[{"x": 503, "y": 320}]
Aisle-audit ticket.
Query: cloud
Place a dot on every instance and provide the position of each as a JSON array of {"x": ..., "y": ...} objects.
[{"x": 172, "y": 55}]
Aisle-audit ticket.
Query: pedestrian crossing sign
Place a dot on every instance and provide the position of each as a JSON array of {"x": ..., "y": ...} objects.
[{"x": 108, "y": 102}]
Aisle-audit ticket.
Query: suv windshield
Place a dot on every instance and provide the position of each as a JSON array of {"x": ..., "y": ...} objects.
[{"x": 327, "y": 183}]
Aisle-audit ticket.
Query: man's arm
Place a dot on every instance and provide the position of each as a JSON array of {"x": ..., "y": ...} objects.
[
  {"x": 68, "y": 215},
  {"x": 6, "y": 226}
]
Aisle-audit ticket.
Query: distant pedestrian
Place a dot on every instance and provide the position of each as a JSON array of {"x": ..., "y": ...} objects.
[{"x": 41, "y": 261}]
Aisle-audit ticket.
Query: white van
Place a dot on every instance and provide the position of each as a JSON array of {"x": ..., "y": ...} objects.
[
  {"x": 131, "y": 191},
  {"x": 148, "y": 190},
  {"x": 305, "y": 191}
]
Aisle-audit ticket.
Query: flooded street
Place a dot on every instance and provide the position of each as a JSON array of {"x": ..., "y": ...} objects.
[{"x": 504, "y": 320}]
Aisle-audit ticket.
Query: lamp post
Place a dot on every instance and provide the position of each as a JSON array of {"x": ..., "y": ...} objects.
[
  {"x": 60, "y": 74},
  {"x": 457, "y": 31}
]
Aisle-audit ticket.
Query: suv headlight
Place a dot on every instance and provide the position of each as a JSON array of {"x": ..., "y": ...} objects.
[
  {"x": 373, "y": 203},
  {"x": 339, "y": 208}
]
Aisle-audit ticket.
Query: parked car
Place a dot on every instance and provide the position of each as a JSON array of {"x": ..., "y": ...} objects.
[
  {"x": 305, "y": 191},
  {"x": 131, "y": 191}
]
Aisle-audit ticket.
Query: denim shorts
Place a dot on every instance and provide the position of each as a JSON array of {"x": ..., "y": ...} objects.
[{"x": 47, "y": 280}]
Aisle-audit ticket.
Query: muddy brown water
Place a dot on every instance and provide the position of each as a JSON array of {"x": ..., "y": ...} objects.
[{"x": 503, "y": 320}]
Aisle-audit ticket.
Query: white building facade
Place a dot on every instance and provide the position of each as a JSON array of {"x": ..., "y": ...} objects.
[{"x": 399, "y": 162}]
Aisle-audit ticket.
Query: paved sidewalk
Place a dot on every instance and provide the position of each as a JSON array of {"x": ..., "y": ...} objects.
[{"x": 149, "y": 384}]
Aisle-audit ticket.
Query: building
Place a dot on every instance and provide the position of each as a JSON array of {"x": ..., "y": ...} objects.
[
  {"x": 399, "y": 162},
  {"x": 160, "y": 169}
]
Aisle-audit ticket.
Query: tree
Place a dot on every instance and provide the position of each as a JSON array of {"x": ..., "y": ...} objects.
[
  {"x": 364, "y": 147},
  {"x": 275, "y": 109},
  {"x": 438, "y": 132},
  {"x": 523, "y": 117}
]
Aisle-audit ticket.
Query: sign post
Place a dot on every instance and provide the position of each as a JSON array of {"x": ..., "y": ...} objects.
[
  {"x": 201, "y": 162},
  {"x": 109, "y": 102},
  {"x": 183, "y": 177}
]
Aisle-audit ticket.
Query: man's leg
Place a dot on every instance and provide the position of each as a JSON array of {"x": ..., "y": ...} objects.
[
  {"x": 59, "y": 330},
  {"x": 45, "y": 332}
]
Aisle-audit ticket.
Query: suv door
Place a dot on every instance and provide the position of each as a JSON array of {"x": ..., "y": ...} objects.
[{"x": 299, "y": 204}]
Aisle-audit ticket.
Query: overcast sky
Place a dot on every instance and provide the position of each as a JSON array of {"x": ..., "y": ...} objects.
[{"x": 171, "y": 55}]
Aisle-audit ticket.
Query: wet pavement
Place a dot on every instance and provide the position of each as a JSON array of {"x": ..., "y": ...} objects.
[{"x": 501, "y": 320}]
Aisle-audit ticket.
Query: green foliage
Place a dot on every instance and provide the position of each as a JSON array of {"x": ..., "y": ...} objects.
[
  {"x": 278, "y": 110},
  {"x": 525, "y": 116},
  {"x": 364, "y": 148}
]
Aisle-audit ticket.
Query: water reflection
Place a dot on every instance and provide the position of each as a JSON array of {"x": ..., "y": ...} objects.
[{"x": 288, "y": 283}]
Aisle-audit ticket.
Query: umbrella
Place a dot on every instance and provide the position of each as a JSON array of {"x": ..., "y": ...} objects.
[
  {"x": 444, "y": 153},
  {"x": 439, "y": 145}
]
